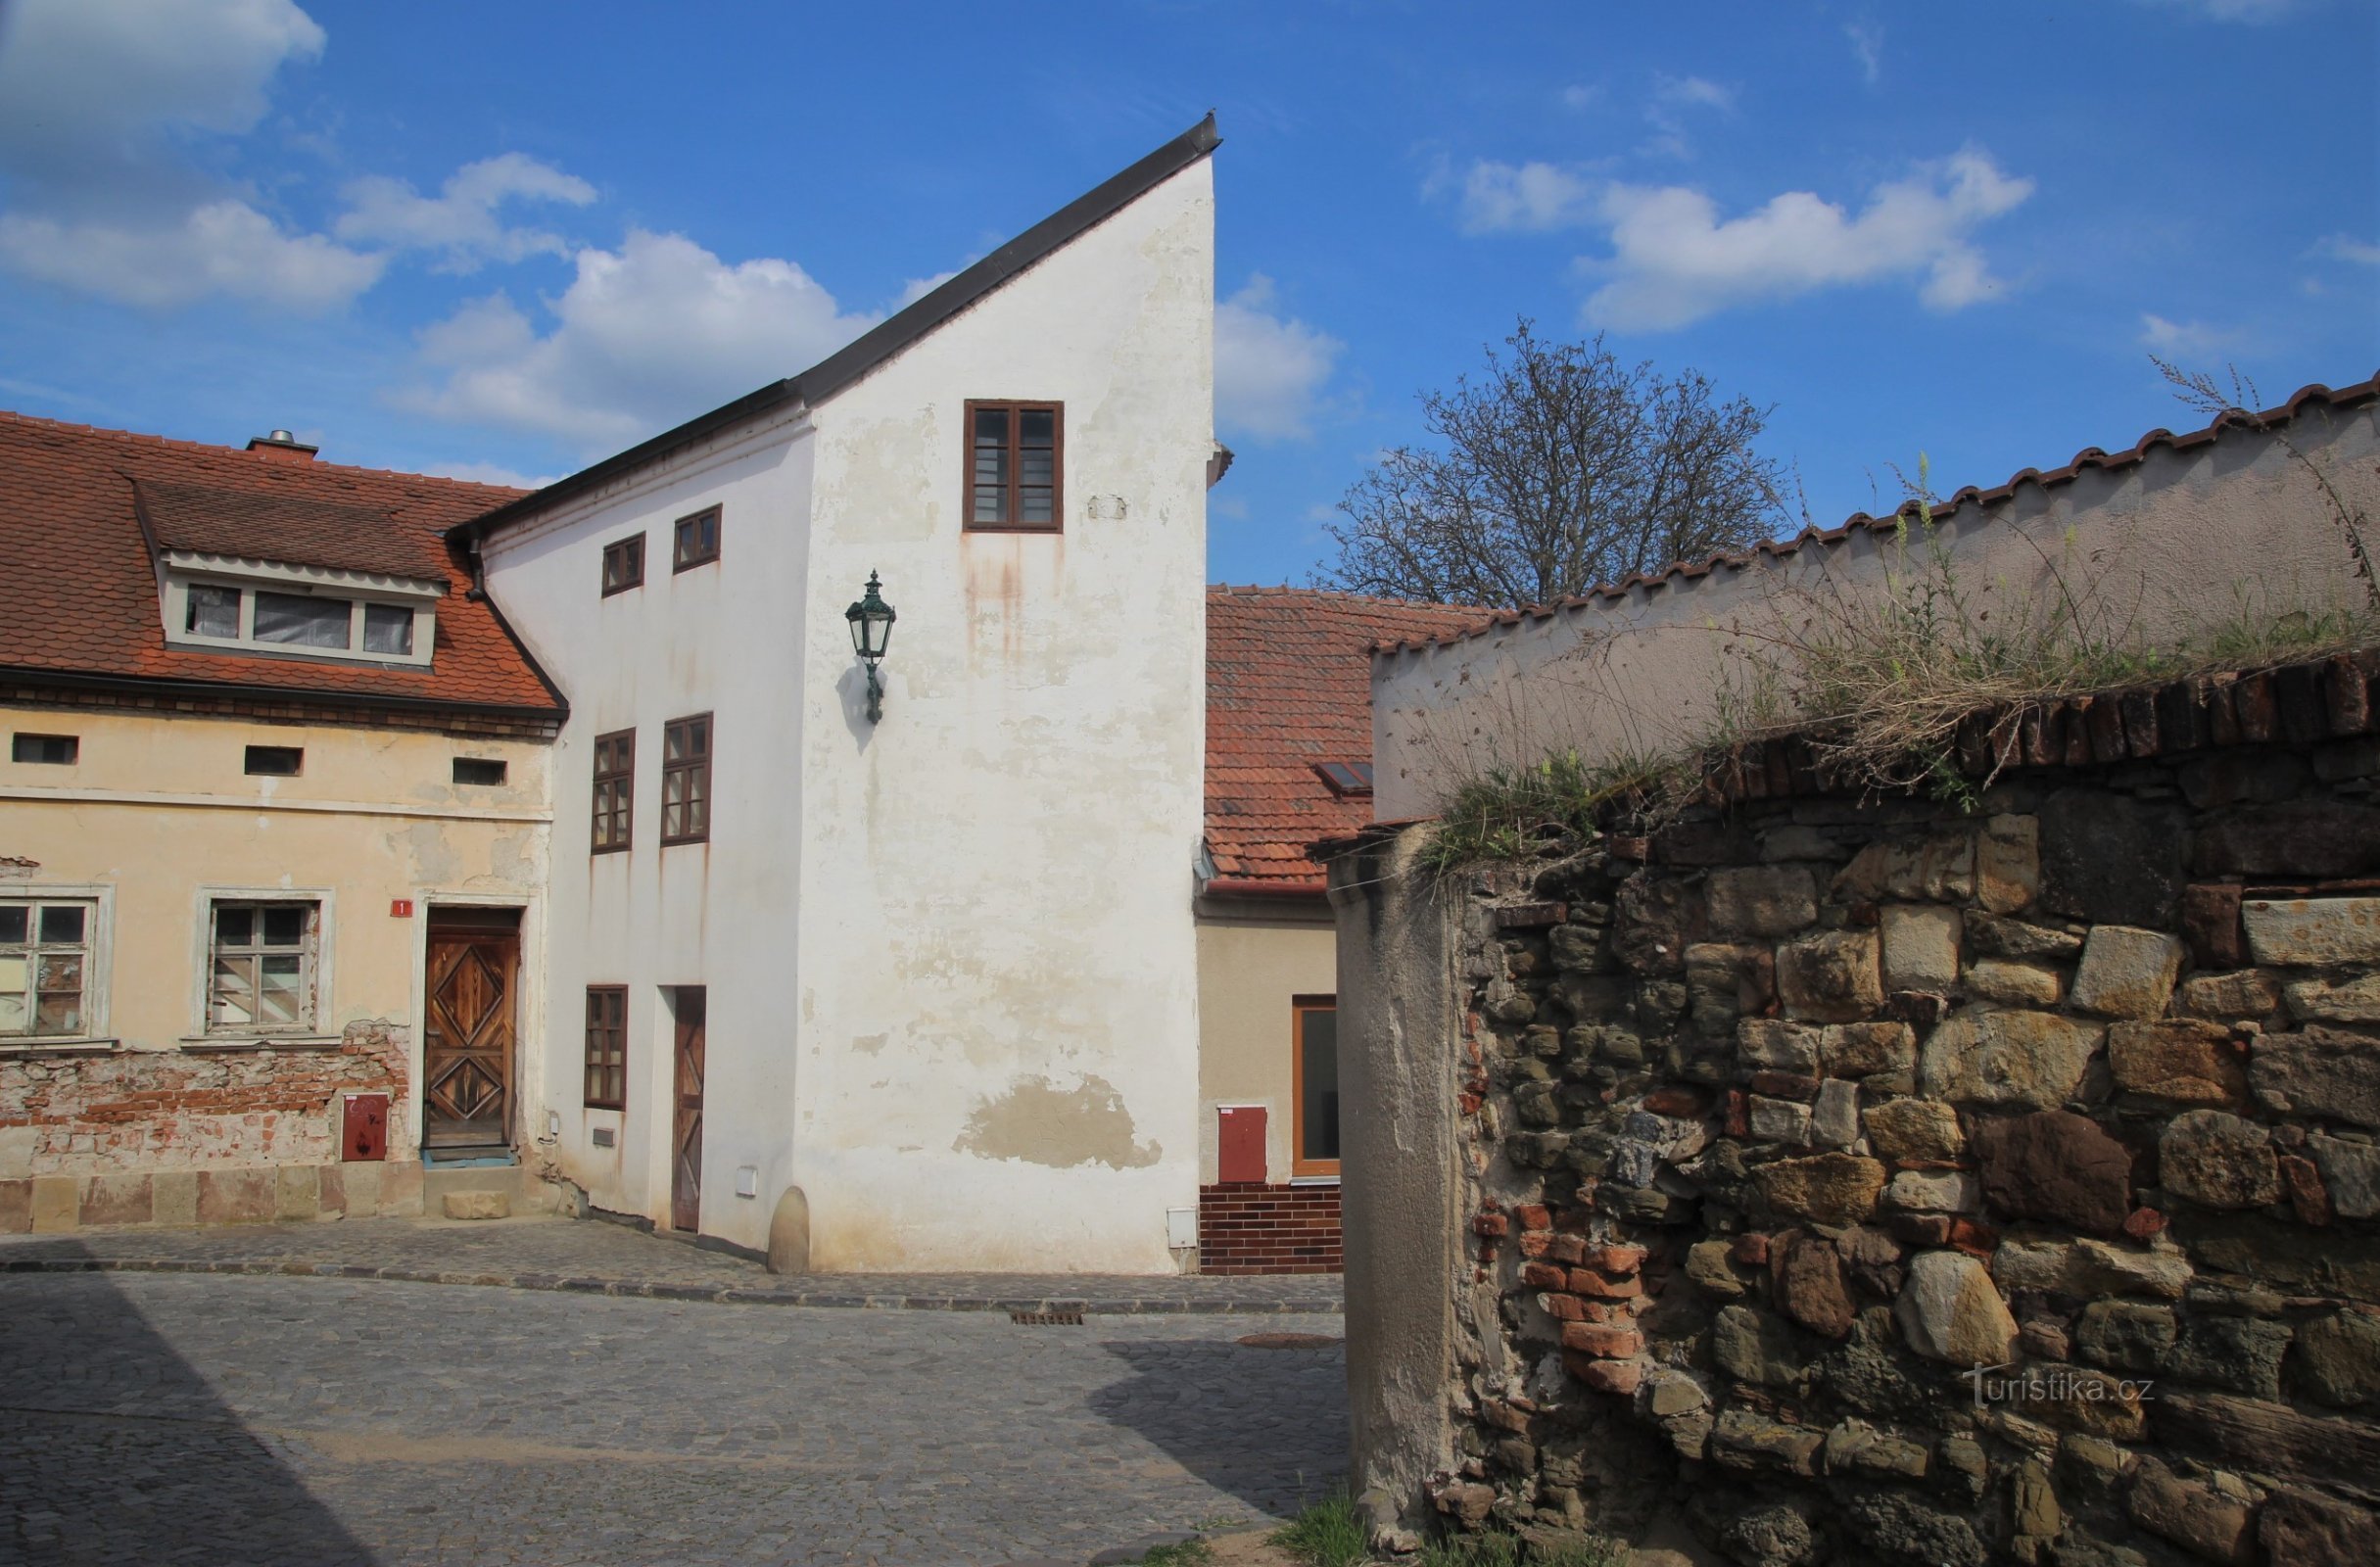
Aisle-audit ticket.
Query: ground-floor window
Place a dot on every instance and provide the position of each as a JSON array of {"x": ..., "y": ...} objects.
[
  {"x": 1314, "y": 1092},
  {"x": 263, "y": 964},
  {"x": 46, "y": 965},
  {"x": 606, "y": 1047}
]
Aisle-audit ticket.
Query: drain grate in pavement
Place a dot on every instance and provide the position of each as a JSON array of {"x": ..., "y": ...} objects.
[{"x": 1046, "y": 1319}]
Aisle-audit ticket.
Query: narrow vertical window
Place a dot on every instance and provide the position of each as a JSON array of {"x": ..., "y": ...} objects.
[
  {"x": 606, "y": 1047},
  {"x": 1016, "y": 457},
  {"x": 615, "y": 788},
  {"x": 1314, "y": 1066},
  {"x": 685, "y": 779},
  {"x": 623, "y": 564},
  {"x": 695, "y": 539}
]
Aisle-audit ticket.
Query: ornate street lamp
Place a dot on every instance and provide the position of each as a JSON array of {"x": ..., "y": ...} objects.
[{"x": 871, "y": 630}]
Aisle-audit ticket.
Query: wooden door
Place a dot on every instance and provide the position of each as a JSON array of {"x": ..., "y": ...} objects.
[
  {"x": 686, "y": 1162},
  {"x": 466, "y": 1073}
]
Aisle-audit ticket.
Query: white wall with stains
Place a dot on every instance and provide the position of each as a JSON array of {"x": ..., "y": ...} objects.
[{"x": 950, "y": 961}]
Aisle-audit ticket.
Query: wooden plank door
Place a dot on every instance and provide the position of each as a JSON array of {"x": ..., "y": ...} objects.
[
  {"x": 686, "y": 1163},
  {"x": 466, "y": 1074}
]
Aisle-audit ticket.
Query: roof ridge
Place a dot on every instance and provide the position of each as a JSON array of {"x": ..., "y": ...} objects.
[
  {"x": 1966, "y": 494},
  {"x": 312, "y": 465},
  {"x": 1263, "y": 590}
]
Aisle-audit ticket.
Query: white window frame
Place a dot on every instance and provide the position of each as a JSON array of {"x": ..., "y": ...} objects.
[
  {"x": 98, "y": 947},
  {"x": 184, "y": 572},
  {"x": 317, "y": 1026}
]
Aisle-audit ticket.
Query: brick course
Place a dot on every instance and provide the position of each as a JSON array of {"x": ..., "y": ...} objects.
[{"x": 1250, "y": 1228}]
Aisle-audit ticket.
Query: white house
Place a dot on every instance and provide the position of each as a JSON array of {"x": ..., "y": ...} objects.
[{"x": 917, "y": 992}]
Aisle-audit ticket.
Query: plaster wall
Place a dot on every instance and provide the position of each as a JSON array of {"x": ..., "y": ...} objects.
[
  {"x": 998, "y": 998},
  {"x": 2162, "y": 550},
  {"x": 156, "y": 816},
  {"x": 1247, "y": 975},
  {"x": 722, "y": 639}
]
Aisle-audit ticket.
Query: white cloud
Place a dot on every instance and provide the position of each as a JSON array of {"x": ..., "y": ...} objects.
[
  {"x": 1582, "y": 96},
  {"x": 917, "y": 288},
  {"x": 224, "y": 247},
  {"x": 2249, "y": 11},
  {"x": 82, "y": 81},
  {"x": 2348, "y": 247},
  {"x": 460, "y": 221},
  {"x": 1231, "y": 508},
  {"x": 645, "y": 336},
  {"x": 1693, "y": 92},
  {"x": 2177, "y": 338},
  {"x": 1674, "y": 260},
  {"x": 1532, "y": 197},
  {"x": 1268, "y": 371},
  {"x": 1868, "y": 48}
]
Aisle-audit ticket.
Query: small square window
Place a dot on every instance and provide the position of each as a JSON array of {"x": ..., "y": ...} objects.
[
  {"x": 478, "y": 770},
  {"x": 275, "y": 761},
  {"x": 1015, "y": 462},
  {"x": 55, "y": 751},
  {"x": 213, "y": 612},
  {"x": 388, "y": 629},
  {"x": 685, "y": 779},
  {"x": 261, "y": 973},
  {"x": 623, "y": 564},
  {"x": 696, "y": 539}
]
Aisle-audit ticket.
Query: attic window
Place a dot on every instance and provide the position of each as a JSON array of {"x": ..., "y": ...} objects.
[
  {"x": 295, "y": 611},
  {"x": 1347, "y": 778}
]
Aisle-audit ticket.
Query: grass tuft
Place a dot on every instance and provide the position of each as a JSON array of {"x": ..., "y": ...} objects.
[
  {"x": 1189, "y": 1553},
  {"x": 1329, "y": 1534}
]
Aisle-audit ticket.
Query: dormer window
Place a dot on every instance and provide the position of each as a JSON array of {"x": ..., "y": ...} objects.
[{"x": 332, "y": 615}]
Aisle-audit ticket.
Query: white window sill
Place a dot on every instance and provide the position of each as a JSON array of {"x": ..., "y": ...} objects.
[
  {"x": 205, "y": 1042},
  {"x": 44, "y": 1045},
  {"x": 1313, "y": 1181}
]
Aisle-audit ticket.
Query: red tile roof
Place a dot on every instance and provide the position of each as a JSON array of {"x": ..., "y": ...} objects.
[
  {"x": 1289, "y": 684},
  {"x": 2088, "y": 459},
  {"x": 82, "y": 598}
]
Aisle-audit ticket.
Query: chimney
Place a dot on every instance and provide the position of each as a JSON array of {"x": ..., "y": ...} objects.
[{"x": 282, "y": 447}]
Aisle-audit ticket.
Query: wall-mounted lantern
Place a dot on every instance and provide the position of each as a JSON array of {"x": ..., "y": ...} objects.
[{"x": 871, "y": 630}]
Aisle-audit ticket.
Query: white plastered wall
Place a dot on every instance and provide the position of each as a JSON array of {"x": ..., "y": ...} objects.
[{"x": 2172, "y": 546}]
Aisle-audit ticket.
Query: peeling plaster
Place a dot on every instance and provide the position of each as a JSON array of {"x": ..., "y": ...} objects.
[{"x": 1036, "y": 1123}]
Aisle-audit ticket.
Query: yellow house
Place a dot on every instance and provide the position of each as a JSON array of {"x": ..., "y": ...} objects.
[{"x": 274, "y": 821}]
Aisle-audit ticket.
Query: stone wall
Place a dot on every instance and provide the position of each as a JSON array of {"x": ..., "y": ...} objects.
[
  {"x": 1250, "y": 1227},
  {"x": 1877, "y": 1181},
  {"x": 216, "y": 1136}
]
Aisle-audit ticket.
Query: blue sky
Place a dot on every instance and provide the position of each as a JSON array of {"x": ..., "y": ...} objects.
[{"x": 505, "y": 240}]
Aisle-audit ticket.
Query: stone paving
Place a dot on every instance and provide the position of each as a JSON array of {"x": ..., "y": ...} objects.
[
  {"x": 597, "y": 1257},
  {"x": 284, "y": 1421}
]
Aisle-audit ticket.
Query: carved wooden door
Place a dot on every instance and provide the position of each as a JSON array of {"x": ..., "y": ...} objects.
[
  {"x": 686, "y": 1163},
  {"x": 466, "y": 1090}
]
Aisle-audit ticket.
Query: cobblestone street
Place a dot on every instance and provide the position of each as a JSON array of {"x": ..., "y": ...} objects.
[{"x": 271, "y": 1420}]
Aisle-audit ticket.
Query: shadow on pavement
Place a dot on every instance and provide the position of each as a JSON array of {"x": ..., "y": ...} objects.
[
  {"x": 169, "y": 1476},
  {"x": 1266, "y": 1426}
]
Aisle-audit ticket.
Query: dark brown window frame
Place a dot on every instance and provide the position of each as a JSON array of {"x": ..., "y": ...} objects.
[
  {"x": 697, "y": 766},
  {"x": 631, "y": 550},
  {"x": 1016, "y": 466},
  {"x": 624, "y": 776},
  {"x": 1299, "y": 1164},
  {"x": 607, "y": 1054},
  {"x": 680, "y": 560}
]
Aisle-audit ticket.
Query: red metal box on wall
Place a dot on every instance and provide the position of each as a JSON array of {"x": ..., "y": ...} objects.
[
  {"x": 364, "y": 1131},
  {"x": 1239, "y": 1143}
]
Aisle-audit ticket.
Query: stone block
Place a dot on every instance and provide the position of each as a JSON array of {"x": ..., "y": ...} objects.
[
  {"x": 1914, "y": 1131},
  {"x": 237, "y": 1195},
  {"x": 16, "y": 1207},
  {"x": 2237, "y": 1354},
  {"x": 1709, "y": 1267},
  {"x": 1791, "y": 842},
  {"x": 118, "y": 1200},
  {"x": 1856, "y": 1448},
  {"x": 2109, "y": 858},
  {"x": 1830, "y": 1188},
  {"x": 2014, "y": 984},
  {"x": 1949, "y": 1311},
  {"x": 1834, "y": 1119},
  {"x": 57, "y": 1204},
  {"x": 2125, "y": 1336},
  {"x": 2244, "y": 994},
  {"x": 2057, "y": 1166},
  {"x": 2211, "y": 1526},
  {"x": 1934, "y": 1190},
  {"x": 2181, "y": 1060},
  {"x": 2073, "y": 1397},
  {"x": 1669, "y": 1392},
  {"x": 2008, "y": 863},
  {"x": 1830, "y": 977},
  {"x": 1769, "y": 900},
  {"x": 2126, "y": 973},
  {"x": 1780, "y": 1121},
  {"x": 2217, "y": 1159},
  {"x": 1940, "y": 869},
  {"x": 1864, "y": 1048},
  {"x": 2283, "y": 1257},
  {"x": 401, "y": 1188},
  {"x": 2352, "y": 1001},
  {"x": 1991, "y": 936},
  {"x": 332, "y": 1181},
  {"x": 2097, "y": 1267},
  {"x": 2268, "y": 1439},
  {"x": 2351, "y": 1174},
  {"x": 1920, "y": 946},
  {"x": 475, "y": 1204},
  {"x": 173, "y": 1197},
  {"x": 1807, "y": 1277},
  {"x": 2307, "y": 1530},
  {"x": 2243, "y": 776},
  {"x": 2318, "y": 1072},
  {"x": 2211, "y": 924},
  {"x": 2292, "y": 838},
  {"x": 1744, "y": 1441},
  {"x": 1898, "y": 1528},
  {"x": 2313, "y": 933},
  {"x": 1655, "y": 919},
  {"x": 1726, "y": 982},
  {"x": 297, "y": 1192},
  {"x": 1754, "y": 1347},
  {"x": 2336, "y": 1359},
  {"x": 2033, "y": 1059},
  {"x": 1775, "y": 1043}
]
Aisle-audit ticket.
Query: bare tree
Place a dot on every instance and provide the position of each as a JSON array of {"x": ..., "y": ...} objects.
[{"x": 1560, "y": 468}]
